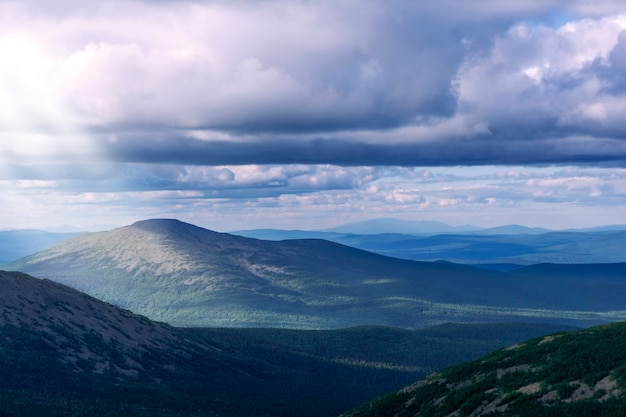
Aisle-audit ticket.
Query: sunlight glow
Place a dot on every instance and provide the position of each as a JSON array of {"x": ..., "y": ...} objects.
[
  {"x": 35, "y": 121},
  {"x": 29, "y": 92}
]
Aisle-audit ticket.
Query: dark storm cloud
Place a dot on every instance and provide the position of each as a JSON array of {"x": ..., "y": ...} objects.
[
  {"x": 509, "y": 147},
  {"x": 316, "y": 82},
  {"x": 612, "y": 71},
  {"x": 387, "y": 92}
]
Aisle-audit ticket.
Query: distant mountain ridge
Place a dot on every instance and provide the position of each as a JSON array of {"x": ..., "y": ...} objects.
[
  {"x": 512, "y": 229},
  {"x": 391, "y": 225},
  {"x": 491, "y": 246},
  {"x": 429, "y": 227},
  {"x": 186, "y": 275},
  {"x": 15, "y": 244}
]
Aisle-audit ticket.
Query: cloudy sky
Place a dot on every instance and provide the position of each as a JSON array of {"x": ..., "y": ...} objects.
[{"x": 308, "y": 114}]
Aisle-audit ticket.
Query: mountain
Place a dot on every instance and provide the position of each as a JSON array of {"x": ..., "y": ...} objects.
[
  {"x": 65, "y": 353},
  {"x": 68, "y": 354},
  {"x": 477, "y": 248},
  {"x": 579, "y": 373},
  {"x": 604, "y": 247},
  {"x": 605, "y": 228},
  {"x": 189, "y": 276},
  {"x": 68, "y": 318},
  {"x": 278, "y": 234},
  {"x": 513, "y": 229},
  {"x": 389, "y": 225},
  {"x": 15, "y": 244}
]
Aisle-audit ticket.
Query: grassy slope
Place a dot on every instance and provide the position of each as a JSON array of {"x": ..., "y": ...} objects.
[{"x": 580, "y": 373}]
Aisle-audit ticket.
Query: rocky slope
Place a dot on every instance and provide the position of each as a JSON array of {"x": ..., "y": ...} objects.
[
  {"x": 84, "y": 333},
  {"x": 579, "y": 373}
]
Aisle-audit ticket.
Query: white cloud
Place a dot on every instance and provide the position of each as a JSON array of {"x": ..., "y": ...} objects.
[
  {"x": 304, "y": 66},
  {"x": 119, "y": 105},
  {"x": 542, "y": 78},
  {"x": 185, "y": 65},
  {"x": 291, "y": 197}
]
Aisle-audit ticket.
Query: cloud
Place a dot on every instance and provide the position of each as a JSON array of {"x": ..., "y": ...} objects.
[
  {"x": 198, "y": 63},
  {"x": 267, "y": 66},
  {"x": 540, "y": 83},
  {"x": 500, "y": 147},
  {"x": 349, "y": 107},
  {"x": 312, "y": 196},
  {"x": 215, "y": 83}
]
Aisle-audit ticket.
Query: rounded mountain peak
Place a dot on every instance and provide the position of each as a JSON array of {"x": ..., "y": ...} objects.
[
  {"x": 173, "y": 228},
  {"x": 162, "y": 225}
]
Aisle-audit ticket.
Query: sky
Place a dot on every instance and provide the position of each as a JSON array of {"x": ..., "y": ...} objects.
[{"x": 307, "y": 114}]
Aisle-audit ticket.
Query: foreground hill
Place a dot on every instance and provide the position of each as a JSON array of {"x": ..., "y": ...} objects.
[
  {"x": 67, "y": 354},
  {"x": 580, "y": 373},
  {"x": 189, "y": 276}
]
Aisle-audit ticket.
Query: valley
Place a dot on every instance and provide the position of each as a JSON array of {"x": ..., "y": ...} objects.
[{"x": 68, "y": 354}]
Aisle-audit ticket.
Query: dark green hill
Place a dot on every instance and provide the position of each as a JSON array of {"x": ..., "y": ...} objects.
[
  {"x": 189, "y": 276},
  {"x": 67, "y": 354},
  {"x": 580, "y": 373}
]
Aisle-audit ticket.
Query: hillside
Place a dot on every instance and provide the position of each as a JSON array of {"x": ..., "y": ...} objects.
[
  {"x": 579, "y": 373},
  {"x": 80, "y": 327},
  {"x": 67, "y": 354},
  {"x": 189, "y": 276}
]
